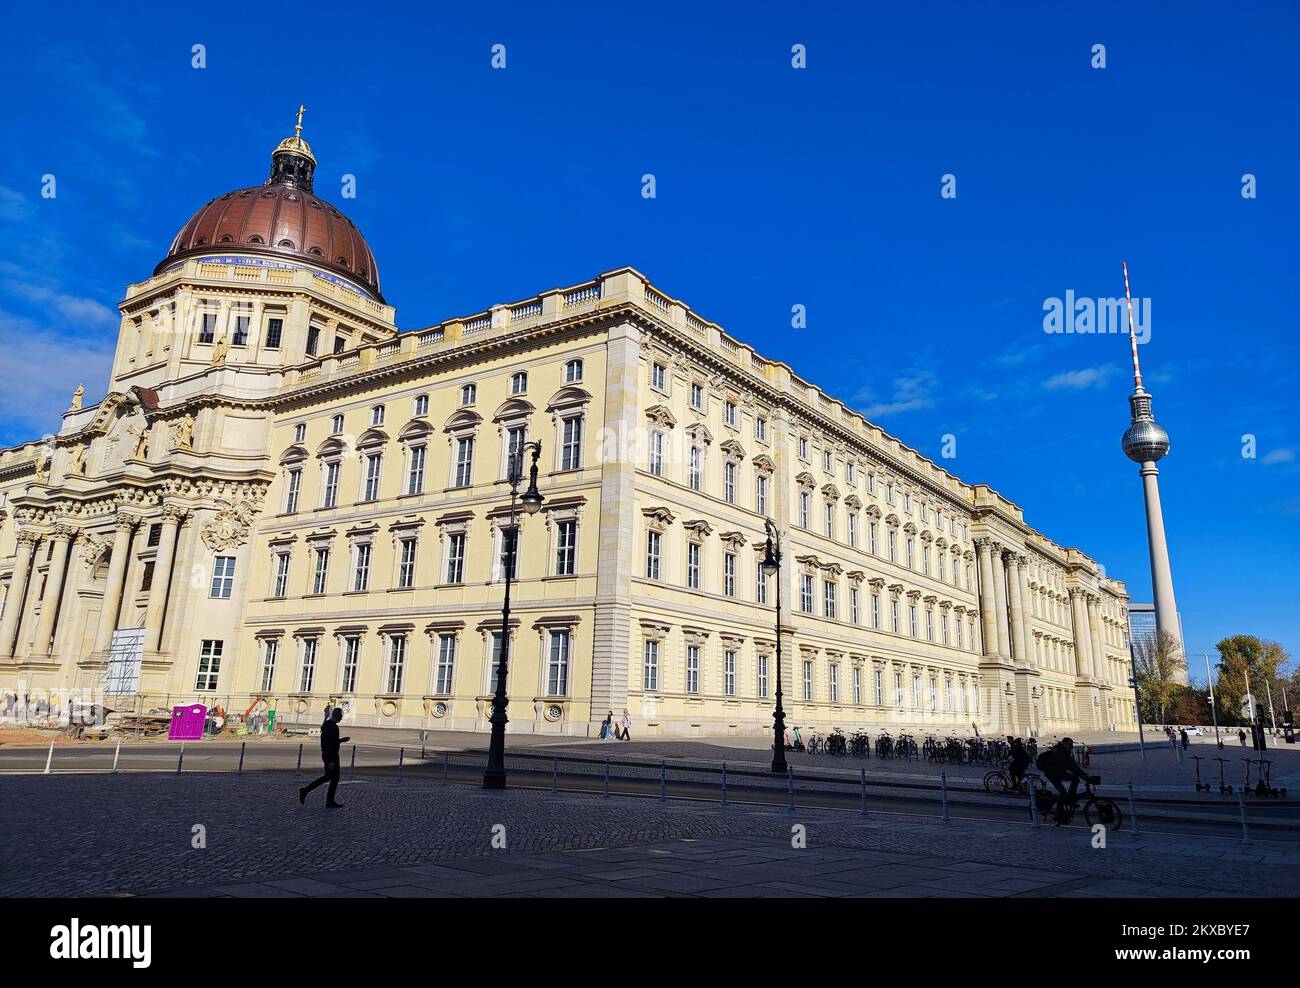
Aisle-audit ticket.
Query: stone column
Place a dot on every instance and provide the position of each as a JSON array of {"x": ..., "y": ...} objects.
[
  {"x": 162, "y": 576},
  {"x": 1098, "y": 642},
  {"x": 1018, "y": 636},
  {"x": 1000, "y": 603},
  {"x": 988, "y": 619},
  {"x": 17, "y": 591},
  {"x": 62, "y": 538},
  {"x": 1082, "y": 639},
  {"x": 113, "y": 582}
]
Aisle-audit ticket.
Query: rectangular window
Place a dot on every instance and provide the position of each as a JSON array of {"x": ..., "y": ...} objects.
[
  {"x": 893, "y": 545},
  {"x": 518, "y": 383},
  {"x": 893, "y": 615},
  {"x": 281, "y": 586},
  {"x": 697, "y": 395},
  {"x": 760, "y": 429},
  {"x": 208, "y": 328},
  {"x": 657, "y": 453},
  {"x": 729, "y": 574},
  {"x": 658, "y": 377},
  {"x": 805, "y": 503},
  {"x": 760, "y": 494},
  {"x": 806, "y": 593},
  {"x": 446, "y": 663},
  {"x": 828, "y": 518},
  {"x": 291, "y": 495},
  {"x": 515, "y": 439},
  {"x": 828, "y": 598},
  {"x": 223, "y": 577},
  {"x": 853, "y": 605},
  {"x": 307, "y": 674},
  {"x": 396, "y": 664},
  {"x": 374, "y": 464},
  {"x": 650, "y": 666},
  {"x": 762, "y": 676},
  {"x": 729, "y": 672},
  {"x": 494, "y": 669},
  {"x": 729, "y": 412},
  {"x": 929, "y": 624},
  {"x": 729, "y": 482},
  {"x": 509, "y": 558},
  {"x": 857, "y": 685},
  {"x": 693, "y": 565},
  {"x": 313, "y": 340},
  {"x": 566, "y": 547},
  {"x": 340, "y": 343},
  {"x": 760, "y": 586},
  {"x": 898, "y": 690},
  {"x": 321, "y": 573},
  {"x": 695, "y": 473},
  {"x": 406, "y": 565},
  {"x": 464, "y": 461},
  {"x": 880, "y": 688},
  {"x": 209, "y": 664},
  {"x": 828, "y": 462},
  {"x": 330, "y": 494},
  {"x": 807, "y": 681},
  {"x": 916, "y": 692},
  {"x": 240, "y": 335},
  {"x": 421, "y": 406},
  {"x": 456, "y": 557},
  {"x": 911, "y": 553},
  {"x": 270, "y": 651},
  {"x": 911, "y": 620},
  {"x": 351, "y": 658},
  {"x": 571, "y": 447},
  {"x": 274, "y": 332},
  {"x": 875, "y": 610},
  {"x": 653, "y": 544},
  {"x": 835, "y": 683},
  {"x": 692, "y": 668},
  {"x": 557, "y": 666},
  {"x": 415, "y": 470},
  {"x": 361, "y": 572}
]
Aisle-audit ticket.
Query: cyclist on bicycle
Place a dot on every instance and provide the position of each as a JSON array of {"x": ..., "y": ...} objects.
[
  {"x": 1018, "y": 761},
  {"x": 1057, "y": 765}
]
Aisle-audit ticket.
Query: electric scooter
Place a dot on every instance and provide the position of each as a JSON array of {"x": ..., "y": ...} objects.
[
  {"x": 1224, "y": 789},
  {"x": 1200, "y": 786}
]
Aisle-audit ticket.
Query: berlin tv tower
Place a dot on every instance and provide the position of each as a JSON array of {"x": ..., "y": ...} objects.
[{"x": 1145, "y": 443}]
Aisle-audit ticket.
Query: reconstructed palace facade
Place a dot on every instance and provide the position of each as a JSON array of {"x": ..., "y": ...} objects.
[{"x": 284, "y": 495}]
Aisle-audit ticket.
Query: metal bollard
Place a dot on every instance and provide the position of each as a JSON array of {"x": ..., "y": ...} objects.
[
  {"x": 49, "y": 758},
  {"x": 943, "y": 789},
  {"x": 1132, "y": 812},
  {"x": 606, "y": 793},
  {"x": 401, "y": 757},
  {"x": 180, "y": 761},
  {"x": 1033, "y": 808},
  {"x": 116, "y": 752},
  {"x": 724, "y": 785},
  {"x": 352, "y": 764},
  {"x": 663, "y": 780},
  {"x": 863, "y": 811},
  {"x": 297, "y": 769},
  {"x": 1179, "y": 752},
  {"x": 242, "y": 746},
  {"x": 555, "y": 775},
  {"x": 789, "y": 779},
  {"x": 446, "y": 761},
  {"x": 1241, "y": 805}
]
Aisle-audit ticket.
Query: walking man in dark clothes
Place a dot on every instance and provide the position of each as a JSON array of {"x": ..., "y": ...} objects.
[{"x": 329, "y": 753}]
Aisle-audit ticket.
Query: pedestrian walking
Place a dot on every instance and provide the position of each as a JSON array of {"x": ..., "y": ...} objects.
[
  {"x": 1241, "y": 736},
  {"x": 1182, "y": 736},
  {"x": 625, "y": 723},
  {"x": 606, "y": 727},
  {"x": 329, "y": 753}
]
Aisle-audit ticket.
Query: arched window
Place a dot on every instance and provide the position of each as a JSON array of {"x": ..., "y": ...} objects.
[{"x": 573, "y": 371}]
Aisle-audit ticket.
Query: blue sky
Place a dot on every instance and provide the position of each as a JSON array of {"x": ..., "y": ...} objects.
[{"x": 775, "y": 187}]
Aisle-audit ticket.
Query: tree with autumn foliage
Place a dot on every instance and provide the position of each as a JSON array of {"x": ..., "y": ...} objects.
[
  {"x": 1264, "y": 660},
  {"x": 1161, "y": 671}
]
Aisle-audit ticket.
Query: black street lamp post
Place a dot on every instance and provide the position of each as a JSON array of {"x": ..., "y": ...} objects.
[
  {"x": 494, "y": 776},
  {"x": 772, "y": 564}
]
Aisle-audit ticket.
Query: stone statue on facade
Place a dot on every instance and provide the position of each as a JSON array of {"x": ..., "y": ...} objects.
[
  {"x": 183, "y": 436},
  {"x": 77, "y": 397},
  {"x": 78, "y": 460},
  {"x": 141, "y": 434},
  {"x": 219, "y": 351}
]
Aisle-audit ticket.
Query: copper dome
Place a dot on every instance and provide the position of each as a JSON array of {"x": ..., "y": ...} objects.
[{"x": 281, "y": 219}]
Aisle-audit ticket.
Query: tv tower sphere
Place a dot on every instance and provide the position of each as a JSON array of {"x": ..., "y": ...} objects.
[{"x": 1144, "y": 440}]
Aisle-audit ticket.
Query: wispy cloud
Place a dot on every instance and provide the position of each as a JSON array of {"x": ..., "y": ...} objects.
[
  {"x": 1283, "y": 455},
  {"x": 42, "y": 366},
  {"x": 1080, "y": 380},
  {"x": 908, "y": 392}
]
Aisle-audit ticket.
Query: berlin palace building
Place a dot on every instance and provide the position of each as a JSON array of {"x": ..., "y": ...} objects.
[{"x": 284, "y": 495}]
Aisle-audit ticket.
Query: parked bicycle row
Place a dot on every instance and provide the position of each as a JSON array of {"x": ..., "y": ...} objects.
[{"x": 951, "y": 750}]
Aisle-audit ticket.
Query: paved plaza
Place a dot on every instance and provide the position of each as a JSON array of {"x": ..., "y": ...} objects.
[{"x": 418, "y": 838}]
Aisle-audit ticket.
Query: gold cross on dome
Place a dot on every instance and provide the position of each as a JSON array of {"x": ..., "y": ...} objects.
[{"x": 297, "y": 130}]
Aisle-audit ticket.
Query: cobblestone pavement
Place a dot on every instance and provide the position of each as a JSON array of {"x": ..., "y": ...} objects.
[{"x": 114, "y": 835}]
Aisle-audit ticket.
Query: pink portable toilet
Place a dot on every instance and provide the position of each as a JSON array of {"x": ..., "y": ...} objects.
[{"x": 187, "y": 722}]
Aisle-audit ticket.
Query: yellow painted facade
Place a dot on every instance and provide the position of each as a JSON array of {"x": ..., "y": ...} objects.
[{"x": 315, "y": 527}]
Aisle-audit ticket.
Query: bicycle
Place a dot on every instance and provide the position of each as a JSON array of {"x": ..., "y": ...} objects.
[
  {"x": 1096, "y": 809},
  {"x": 999, "y": 783}
]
